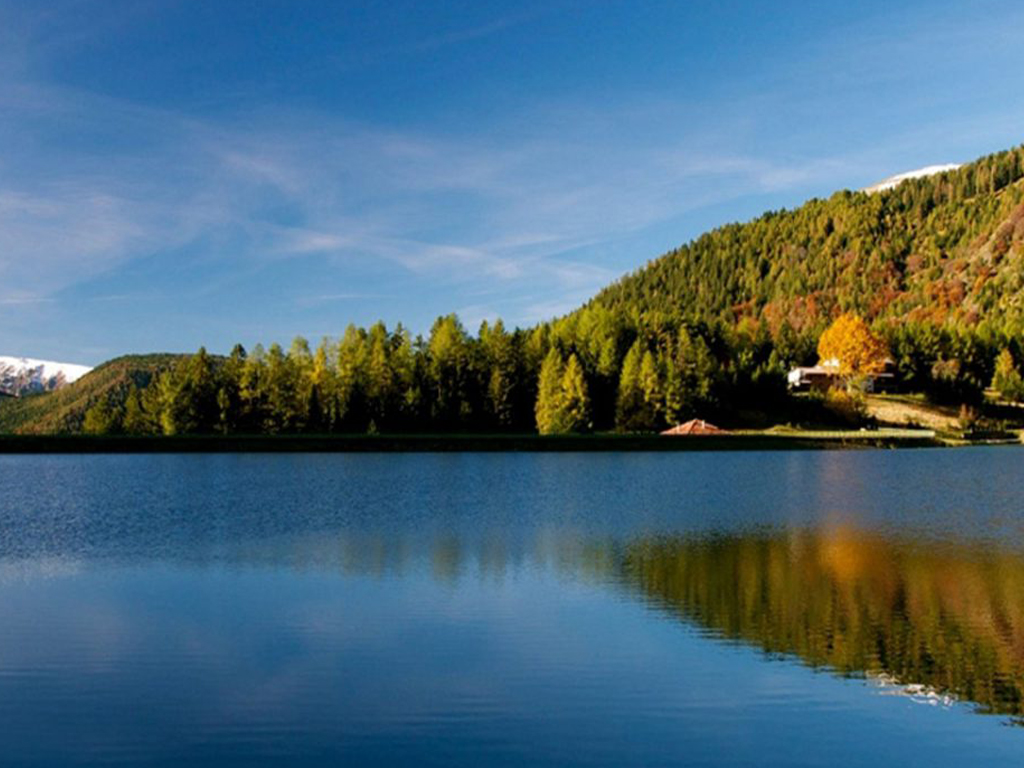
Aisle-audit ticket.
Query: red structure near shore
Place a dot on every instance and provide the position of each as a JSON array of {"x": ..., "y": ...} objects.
[{"x": 695, "y": 427}]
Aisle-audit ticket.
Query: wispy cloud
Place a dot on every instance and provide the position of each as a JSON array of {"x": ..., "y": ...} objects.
[
  {"x": 534, "y": 216},
  {"x": 14, "y": 301},
  {"x": 431, "y": 44},
  {"x": 452, "y": 209},
  {"x": 330, "y": 298},
  {"x": 466, "y": 34}
]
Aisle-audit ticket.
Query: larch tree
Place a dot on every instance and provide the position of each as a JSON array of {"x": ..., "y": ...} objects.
[
  {"x": 100, "y": 419},
  {"x": 850, "y": 348},
  {"x": 630, "y": 399},
  {"x": 1007, "y": 380},
  {"x": 136, "y": 420},
  {"x": 549, "y": 393},
  {"x": 651, "y": 386},
  {"x": 574, "y": 410},
  {"x": 449, "y": 356}
]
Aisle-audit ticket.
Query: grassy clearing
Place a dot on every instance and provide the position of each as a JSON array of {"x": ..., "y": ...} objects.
[
  {"x": 912, "y": 411},
  {"x": 874, "y": 434},
  {"x": 992, "y": 421}
]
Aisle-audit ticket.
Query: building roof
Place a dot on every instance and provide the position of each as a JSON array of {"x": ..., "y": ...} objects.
[
  {"x": 695, "y": 427},
  {"x": 820, "y": 370}
]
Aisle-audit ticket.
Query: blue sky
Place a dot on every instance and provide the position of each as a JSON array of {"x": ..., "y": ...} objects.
[{"x": 183, "y": 173}]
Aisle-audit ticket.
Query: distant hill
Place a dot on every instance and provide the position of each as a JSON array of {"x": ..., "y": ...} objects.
[
  {"x": 23, "y": 376},
  {"x": 63, "y": 410},
  {"x": 944, "y": 247}
]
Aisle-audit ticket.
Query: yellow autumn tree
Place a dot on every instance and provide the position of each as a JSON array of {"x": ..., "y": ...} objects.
[{"x": 850, "y": 348}]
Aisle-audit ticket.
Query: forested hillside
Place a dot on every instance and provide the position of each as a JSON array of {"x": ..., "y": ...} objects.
[
  {"x": 936, "y": 266},
  {"x": 943, "y": 249},
  {"x": 63, "y": 411}
]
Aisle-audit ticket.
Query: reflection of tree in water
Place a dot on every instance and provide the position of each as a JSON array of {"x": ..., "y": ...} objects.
[
  {"x": 950, "y": 618},
  {"x": 931, "y": 619}
]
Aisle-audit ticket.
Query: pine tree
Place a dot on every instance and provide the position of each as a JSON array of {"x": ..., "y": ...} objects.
[
  {"x": 323, "y": 385},
  {"x": 1007, "y": 380},
  {"x": 101, "y": 419},
  {"x": 199, "y": 390},
  {"x": 175, "y": 409},
  {"x": 574, "y": 407},
  {"x": 630, "y": 400},
  {"x": 280, "y": 381},
  {"x": 224, "y": 407},
  {"x": 300, "y": 363},
  {"x": 653, "y": 398},
  {"x": 549, "y": 393},
  {"x": 379, "y": 376},
  {"x": 449, "y": 372},
  {"x": 252, "y": 392},
  {"x": 136, "y": 419},
  {"x": 496, "y": 369},
  {"x": 677, "y": 399},
  {"x": 229, "y": 398}
]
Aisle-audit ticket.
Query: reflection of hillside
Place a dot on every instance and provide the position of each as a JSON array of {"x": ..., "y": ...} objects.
[
  {"x": 926, "y": 620},
  {"x": 949, "y": 618}
]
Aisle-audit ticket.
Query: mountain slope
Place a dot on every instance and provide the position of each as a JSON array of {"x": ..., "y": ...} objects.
[
  {"x": 22, "y": 375},
  {"x": 942, "y": 248},
  {"x": 62, "y": 411}
]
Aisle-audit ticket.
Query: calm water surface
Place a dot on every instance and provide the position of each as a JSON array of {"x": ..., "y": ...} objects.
[{"x": 832, "y": 608}]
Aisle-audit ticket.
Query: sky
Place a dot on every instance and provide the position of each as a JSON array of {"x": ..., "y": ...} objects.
[{"x": 177, "y": 174}]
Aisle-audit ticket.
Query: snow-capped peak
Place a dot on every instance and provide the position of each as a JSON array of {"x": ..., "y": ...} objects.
[
  {"x": 22, "y": 375},
  {"x": 899, "y": 178}
]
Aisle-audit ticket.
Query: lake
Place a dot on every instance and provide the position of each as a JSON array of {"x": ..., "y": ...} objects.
[{"x": 785, "y": 608}]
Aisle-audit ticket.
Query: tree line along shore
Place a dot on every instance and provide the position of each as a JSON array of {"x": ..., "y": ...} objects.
[{"x": 376, "y": 382}]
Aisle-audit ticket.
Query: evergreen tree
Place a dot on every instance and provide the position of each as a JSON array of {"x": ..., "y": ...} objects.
[
  {"x": 101, "y": 419},
  {"x": 550, "y": 393},
  {"x": 380, "y": 383},
  {"x": 677, "y": 398},
  {"x": 653, "y": 398},
  {"x": 252, "y": 392},
  {"x": 450, "y": 372},
  {"x": 351, "y": 390},
  {"x": 137, "y": 421},
  {"x": 573, "y": 412},
  {"x": 500, "y": 368},
  {"x": 200, "y": 389},
  {"x": 323, "y": 386},
  {"x": 630, "y": 402},
  {"x": 229, "y": 398},
  {"x": 280, "y": 381},
  {"x": 300, "y": 375},
  {"x": 1007, "y": 380},
  {"x": 177, "y": 415}
]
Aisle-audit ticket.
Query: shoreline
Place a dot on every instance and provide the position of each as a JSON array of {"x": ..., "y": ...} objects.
[{"x": 455, "y": 443}]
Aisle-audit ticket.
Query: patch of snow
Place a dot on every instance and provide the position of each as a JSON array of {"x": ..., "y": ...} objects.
[
  {"x": 894, "y": 181},
  {"x": 21, "y": 375}
]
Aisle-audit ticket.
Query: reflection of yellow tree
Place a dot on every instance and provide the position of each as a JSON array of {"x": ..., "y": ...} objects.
[{"x": 950, "y": 619}]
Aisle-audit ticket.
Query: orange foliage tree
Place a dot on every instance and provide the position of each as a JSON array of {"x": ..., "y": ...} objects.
[{"x": 850, "y": 348}]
